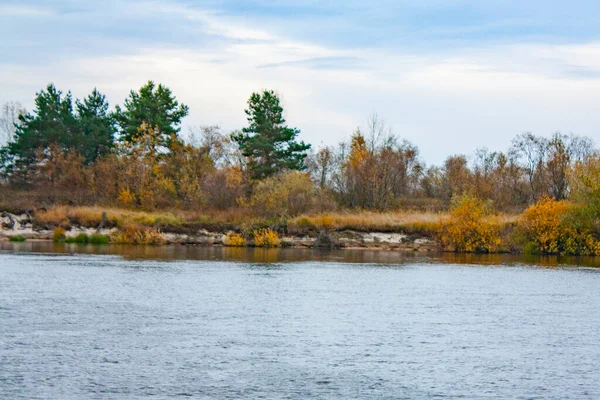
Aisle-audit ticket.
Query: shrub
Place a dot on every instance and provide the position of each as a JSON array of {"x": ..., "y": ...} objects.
[
  {"x": 81, "y": 238},
  {"x": 97, "y": 238},
  {"x": 132, "y": 234},
  {"x": 556, "y": 227},
  {"x": 126, "y": 197},
  {"x": 471, "y": 228},
  {"x": 287, "y": 194},
  {"x": 17, "y": 238},
  {"x": 234, "y": 239},
  {"x": 266, "y": 238},
  {"x": 59, "y": 235}
]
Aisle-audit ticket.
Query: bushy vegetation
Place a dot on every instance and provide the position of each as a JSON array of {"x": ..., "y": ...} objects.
[
  {"x": 556, "y": 227},
  {"x": 69, "y": 161},
  {"x": 266, "y": 238},
  {"x": 471, "y": 227},
  {"x": 59, "y": 235},
  {"x": 132, "y": 234},
  {"x": 17, "y": 238},
  {"x": 234, "y": 239}
]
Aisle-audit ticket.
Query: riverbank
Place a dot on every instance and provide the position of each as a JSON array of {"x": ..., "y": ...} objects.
[{"x": 406, "y": 231}]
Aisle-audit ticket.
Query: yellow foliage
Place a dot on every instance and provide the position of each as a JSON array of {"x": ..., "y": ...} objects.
[
  {"x": 549, "y": 228},
  {"x": 266, "y": 238},
  {"x": 233, "y": 239},
  {"x": 470, "y": 227},
  {"x": 59, "y": 235},
  {"x": 358, "y": 150},
  {"x": 132, "y": 234},
  {"x": 126, "y": 197},
  {"x": 234, "y": 177},
  {"x": 289, "y": 193}
]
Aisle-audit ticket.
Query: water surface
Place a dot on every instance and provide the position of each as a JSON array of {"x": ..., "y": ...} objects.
[{"x": 210, "y": 323}]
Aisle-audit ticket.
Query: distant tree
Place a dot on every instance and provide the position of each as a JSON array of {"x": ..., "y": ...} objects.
[
  {"x": 9, "y": 118},
  {"x": 269, "y": 145},
  {"x": 52, "y": 125},
  {"x": 154, "y": 106},
  {"x": 97, "y": 126},
  {"x": 532, "y": 150}
]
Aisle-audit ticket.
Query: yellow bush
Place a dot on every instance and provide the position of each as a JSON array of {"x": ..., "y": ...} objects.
[
  {"x": 470, "y": 227},
  {"x": 287, "y": 194},
  {"x": 132, "y": 234},
  {"x": 266, "y": 238},
  {"x": 126, "y": 197},
  {"x": 59, "y": 235},
  {"x": 234, "y": 239},
  {"x": 550, "y": 227}
]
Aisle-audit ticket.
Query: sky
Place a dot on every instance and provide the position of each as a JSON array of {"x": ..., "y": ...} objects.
[{"x": 450, "y": 76}]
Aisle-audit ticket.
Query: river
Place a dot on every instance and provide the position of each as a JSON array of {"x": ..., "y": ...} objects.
[{"x": 90, "y": 322}]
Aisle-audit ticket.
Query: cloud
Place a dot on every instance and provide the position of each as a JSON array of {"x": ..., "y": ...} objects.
[
  {"x": 332, "y": 63},
  {"x": 22, "y": 10},
  {"x": 446, "y": 99}
]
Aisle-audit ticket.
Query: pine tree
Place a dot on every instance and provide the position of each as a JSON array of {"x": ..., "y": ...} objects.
[
  {"x": 269, "y": 145},
  {"x": 51, "y": 123},
  {"x": 157, "y": 108},
  {"x": 97, "y": 126}
]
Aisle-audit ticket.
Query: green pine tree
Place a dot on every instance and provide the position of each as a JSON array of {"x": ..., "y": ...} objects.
[
  {"x": 97, "y": 126},
  {"x": 269, "y": 145},
  {"x": 156, "y": 107},
  {"x": 53, "y": 122}
]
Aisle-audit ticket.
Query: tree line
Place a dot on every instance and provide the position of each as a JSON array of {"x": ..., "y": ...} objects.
[{"x": 73, "y": 151}]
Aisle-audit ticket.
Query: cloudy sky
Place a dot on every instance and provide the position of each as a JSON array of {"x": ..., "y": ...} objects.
[{"x": 448, "y": 75}]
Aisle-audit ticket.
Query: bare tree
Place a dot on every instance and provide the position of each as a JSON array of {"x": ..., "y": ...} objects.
[
  {"x": 9, "y": 118},
  {"x": 532, "y": 150},
  {"x": 219, "y": 147}
]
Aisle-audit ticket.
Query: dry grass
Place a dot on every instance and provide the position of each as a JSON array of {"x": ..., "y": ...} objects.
[
  {"x": 132, "y": 234},
  {"x": 92, "y": 216},
  {"x": 366, "y": 221},
  {"x": 423, "y": 222},
  {"x": 239, "y": 219}
]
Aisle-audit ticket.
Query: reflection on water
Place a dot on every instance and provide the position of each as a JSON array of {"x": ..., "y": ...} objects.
[{"x": 276, "y": 255}]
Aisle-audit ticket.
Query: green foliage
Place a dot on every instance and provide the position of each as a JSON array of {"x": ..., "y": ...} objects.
[
  {"x": 97, "y": 126},
  {"x": 154, "y": 106},
  {"x": 18, "y": 238},
  {"x": 81, "y": 238},
  {"x": 97, "y": 238},
  {"x": 54, "y": 125},
  {"x": 268, "y": 144}
]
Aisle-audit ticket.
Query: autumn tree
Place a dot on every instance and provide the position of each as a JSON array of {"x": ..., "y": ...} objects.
[{"x": 268, "y": 144}]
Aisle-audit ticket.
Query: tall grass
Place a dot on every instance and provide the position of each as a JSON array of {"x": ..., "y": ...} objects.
[{"x": 367, "y": 221}]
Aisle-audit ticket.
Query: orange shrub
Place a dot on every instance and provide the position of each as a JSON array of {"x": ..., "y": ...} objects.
[
  {"x": 550, "y": 227},
  {"x": 234, "y": 239},
  {"x": 132, "y": 234},
  {"x": 471, "y": 228},
  {"x": 266, "y": 238}
]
